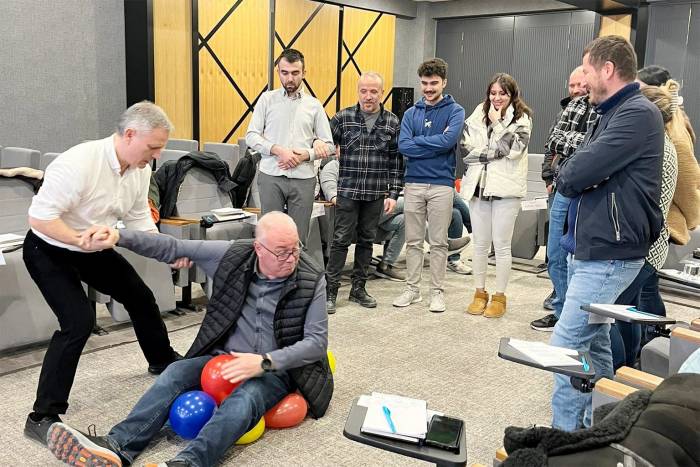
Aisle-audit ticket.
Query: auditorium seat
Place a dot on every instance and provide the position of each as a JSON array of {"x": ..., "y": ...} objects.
[
  {"x": 637, "y": 378},
  {"x": 11, "y": 157},
  {"x": 531, "y": 226},
  {"x": 170, "y": 155},
  {"x": 198, "y": 195},
  {"x": 663, "y": 356},
  {"x": 47, "y": 158},
  {"x": 158, "y": 278},
  {"x": 25, "y": 318},
  {"x": 187, "y": 145},
  {"x": 500, "y": 457},
  {"x": 227, "y": 152},
  {"x": 607, "y": 391}
]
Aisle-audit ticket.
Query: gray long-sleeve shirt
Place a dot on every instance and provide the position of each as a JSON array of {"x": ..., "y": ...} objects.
[
  {"x": 254, "y": 330},
  {"x": 291, "y": 122}
]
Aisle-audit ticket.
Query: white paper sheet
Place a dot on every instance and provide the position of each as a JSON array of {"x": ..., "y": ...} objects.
[
  {"x": 533, "y": 204},
  {"x": 545, "y": 355},
  {"x": 408, "y": 415}
]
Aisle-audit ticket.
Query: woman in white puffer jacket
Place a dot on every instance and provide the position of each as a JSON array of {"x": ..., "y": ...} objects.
[{"x": 494, "y": 148}]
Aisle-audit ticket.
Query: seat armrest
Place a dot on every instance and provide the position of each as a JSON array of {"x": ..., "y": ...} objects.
[
  {"x": 613, "y": 389},
  {"x": 636, "y": 378}
]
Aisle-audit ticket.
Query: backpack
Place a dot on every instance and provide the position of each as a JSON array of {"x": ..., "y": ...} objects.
[{"x": 243, "y": 176}]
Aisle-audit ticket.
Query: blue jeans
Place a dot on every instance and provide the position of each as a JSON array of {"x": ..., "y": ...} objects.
[
  {"x": 589, "y": 282},
  {"x": 460, "y": 219},
  {"x": 556, "y": 256},
  {"x": 394, "y": 226},
  {"x": 643, "y": 293},
  {"x": 237, "y": 414}
]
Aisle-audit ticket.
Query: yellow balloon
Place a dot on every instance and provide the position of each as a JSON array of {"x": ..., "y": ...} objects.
[
  {"x": 331, "y": 361},
  {"x": 254, "y": 434}
]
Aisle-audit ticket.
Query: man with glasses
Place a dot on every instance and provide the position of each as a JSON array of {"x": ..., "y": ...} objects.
[{"x": 267, "y": 309}]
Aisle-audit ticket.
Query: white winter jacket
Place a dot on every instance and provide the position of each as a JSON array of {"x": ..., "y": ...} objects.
[{"x": 496, "y": 162}]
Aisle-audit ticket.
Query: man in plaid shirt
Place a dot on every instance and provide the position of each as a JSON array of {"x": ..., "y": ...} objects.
[
  {"x": 370, "y": 180},
  {"x": 566, "y": 135}
]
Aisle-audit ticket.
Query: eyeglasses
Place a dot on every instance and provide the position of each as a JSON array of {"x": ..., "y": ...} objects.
[{"x": 284, "y": 256}]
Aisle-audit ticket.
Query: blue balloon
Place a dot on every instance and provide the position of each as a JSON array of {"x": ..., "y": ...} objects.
[{"x": 190, "y": 412}]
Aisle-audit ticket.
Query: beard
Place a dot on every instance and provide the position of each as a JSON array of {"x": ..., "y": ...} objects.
[{"x": 291, "y": 87}]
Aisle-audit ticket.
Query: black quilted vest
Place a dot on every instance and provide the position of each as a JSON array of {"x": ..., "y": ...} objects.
[{"x": 231, "y": 281}]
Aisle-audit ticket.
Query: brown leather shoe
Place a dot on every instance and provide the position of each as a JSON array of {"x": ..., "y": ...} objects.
[
  {"x": 497, "y": 307},
  {"x": 478, "y": 305}
]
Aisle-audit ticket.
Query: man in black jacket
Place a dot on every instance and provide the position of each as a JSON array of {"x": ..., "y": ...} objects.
[
  {"x": 267, "y": 309},
  {"x": 614, "y": 180}
]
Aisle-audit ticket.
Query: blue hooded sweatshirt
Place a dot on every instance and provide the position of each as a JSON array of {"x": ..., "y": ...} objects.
[{"x": 428, "y": 140}]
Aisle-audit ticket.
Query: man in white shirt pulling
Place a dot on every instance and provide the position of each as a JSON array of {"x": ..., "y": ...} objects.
[{"x": 96, "y": 182}]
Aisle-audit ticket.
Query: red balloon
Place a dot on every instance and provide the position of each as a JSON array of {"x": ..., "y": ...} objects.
[
  {"x": 288, "y": 412},
  {"x": 212, "y": 381}
]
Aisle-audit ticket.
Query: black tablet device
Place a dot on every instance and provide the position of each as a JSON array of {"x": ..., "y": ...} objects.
[{"x": 444, "y": 433}]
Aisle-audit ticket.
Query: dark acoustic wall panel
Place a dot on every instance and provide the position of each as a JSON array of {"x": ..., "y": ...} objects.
[
  {"x": 691, "y": 74},
  {"x": 449, "y": 47},
  {"x": 538, "y": 50},
  {"x": 488, "y": 49},
  {"x": 666, "y": 39},
  {"x": 541, "y": 42},
  {"x": 581, "y": 33}
]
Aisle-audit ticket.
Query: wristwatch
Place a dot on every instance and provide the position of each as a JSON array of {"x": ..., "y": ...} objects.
[{"x": 266, "y": 363}]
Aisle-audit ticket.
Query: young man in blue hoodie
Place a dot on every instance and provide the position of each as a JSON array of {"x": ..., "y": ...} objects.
[
  {"x": 614, "y": 182},
  {"x": 430, "y": 132}
]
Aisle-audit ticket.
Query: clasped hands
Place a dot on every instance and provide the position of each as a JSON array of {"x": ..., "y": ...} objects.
[
  {"x": 101, "y": 237},
  {"x": 289, "y": 158},
  {"x": 98, "y": 237}
]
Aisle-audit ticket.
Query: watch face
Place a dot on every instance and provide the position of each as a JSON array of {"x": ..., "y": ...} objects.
[{"x": 266, "y": 364}]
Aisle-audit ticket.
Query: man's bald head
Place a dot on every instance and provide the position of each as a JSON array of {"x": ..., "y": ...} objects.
[
  {"x": 577, "y": 83},
  {"x": 276, "y": 224},
  {"x": 277, "y": 245}
]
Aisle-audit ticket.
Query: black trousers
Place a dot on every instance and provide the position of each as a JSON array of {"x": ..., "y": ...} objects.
[
  {"x": 353, "y": 217},
  {"x": 58, "y": 273}
]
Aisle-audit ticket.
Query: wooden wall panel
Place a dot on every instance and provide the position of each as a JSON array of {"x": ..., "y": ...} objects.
[
  {"x": 620, "y": 25},
  {"x": 318, "y": 42},
  {"x": 241, "y": 47},
  {"x": 172, "y": 56},
  {"x": 376, "y": 53}
]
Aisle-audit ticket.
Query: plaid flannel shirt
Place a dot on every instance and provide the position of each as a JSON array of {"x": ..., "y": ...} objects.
[
  {"x": 568, "y": 133},
  {"x": 370, "y": 163}
]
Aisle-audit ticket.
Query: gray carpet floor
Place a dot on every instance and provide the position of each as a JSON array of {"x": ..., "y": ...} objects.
[{"x": 449, "y": 359}]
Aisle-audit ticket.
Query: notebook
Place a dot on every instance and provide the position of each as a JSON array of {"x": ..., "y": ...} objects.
[{"x": 409, "y": 417}]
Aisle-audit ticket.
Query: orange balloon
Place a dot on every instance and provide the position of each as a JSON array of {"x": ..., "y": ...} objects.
[
  {"x": 287, "y": 413},
  {"x": 212, "y": 381}
]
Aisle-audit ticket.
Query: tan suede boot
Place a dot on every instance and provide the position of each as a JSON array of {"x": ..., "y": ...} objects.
[
  {"x": 497, "y": 307},
  {"x": 478, "y": 305}
]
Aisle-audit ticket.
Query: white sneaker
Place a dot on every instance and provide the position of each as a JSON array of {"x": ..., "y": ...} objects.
[
  {"x": 459, "y": 267},
  {"x": 437, "y": 301},
  {"x": 408, "y": 297}
]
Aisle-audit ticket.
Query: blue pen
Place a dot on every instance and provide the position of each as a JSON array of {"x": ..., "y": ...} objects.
[
  {"x": 387, "y": 415},
  {"x": 585, "y": 363}
]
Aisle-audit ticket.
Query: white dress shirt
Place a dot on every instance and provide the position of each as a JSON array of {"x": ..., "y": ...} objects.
[{"x": 84, "y": 187}]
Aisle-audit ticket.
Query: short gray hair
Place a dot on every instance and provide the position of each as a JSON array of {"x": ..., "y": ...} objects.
[
  {"x": 371, "y": 74},
  {"x": 144, "y": 116}
]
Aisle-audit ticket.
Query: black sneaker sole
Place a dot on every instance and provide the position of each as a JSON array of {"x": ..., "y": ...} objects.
[
  {"x": 365, "y": 305},
  {"x": 73, "y": 448},
  {"x": 542, "y": 329}
]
